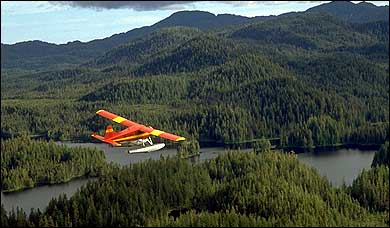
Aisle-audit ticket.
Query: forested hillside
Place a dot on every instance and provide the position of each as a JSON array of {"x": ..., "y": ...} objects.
[
  {"x": 301, "y": 79},
  {"x": 38, "y": 55},
  {"x": 382, "y": 157},
  {"x": 361, "y": 12},
  {"x": 144, "y": 48},
  {"x": 235, "y": 189},
  {"x": 26, "y": 163},
  {"x": 315, "y": 87},
  {"x": 371, "y": 187}
]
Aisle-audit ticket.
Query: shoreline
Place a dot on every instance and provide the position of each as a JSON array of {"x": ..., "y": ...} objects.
[
  {"x": 10, "y": 191},
  {"x": 300, "y": 149},
  {"x": 248, "y": 145}
]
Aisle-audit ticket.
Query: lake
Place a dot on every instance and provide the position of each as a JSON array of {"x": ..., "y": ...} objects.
[
  {"x": 39, "y": 197},
  {"x": 337, "y": 165}
]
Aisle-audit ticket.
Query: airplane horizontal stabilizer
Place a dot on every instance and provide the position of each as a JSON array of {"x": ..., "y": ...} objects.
[{"x": 101, "y": 138}]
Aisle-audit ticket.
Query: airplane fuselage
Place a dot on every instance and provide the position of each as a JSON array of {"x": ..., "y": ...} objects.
[{"x": 133, "y": 138}]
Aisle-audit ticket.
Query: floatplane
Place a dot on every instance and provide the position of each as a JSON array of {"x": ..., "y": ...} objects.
[{"x": 135, "y": 134}]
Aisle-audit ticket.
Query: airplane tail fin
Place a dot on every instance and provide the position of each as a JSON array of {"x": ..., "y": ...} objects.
[
  {"x": 109, "y": 132},
  {"x": 103, "y": 139}
]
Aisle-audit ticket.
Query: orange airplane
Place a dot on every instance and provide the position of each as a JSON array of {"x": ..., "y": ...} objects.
[{"x": 135, "y": 133}]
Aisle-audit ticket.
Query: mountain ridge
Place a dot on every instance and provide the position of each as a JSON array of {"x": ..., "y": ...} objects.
[
  {"x": 362, "y": 12},
  {"x": 40, "y": 54}
]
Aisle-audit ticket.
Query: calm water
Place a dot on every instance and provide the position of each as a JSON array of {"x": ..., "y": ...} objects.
[
  {"x": 336, "y": 165},
  {"x": 39, "y": 197},
  {"x": 339, "y": 165}
]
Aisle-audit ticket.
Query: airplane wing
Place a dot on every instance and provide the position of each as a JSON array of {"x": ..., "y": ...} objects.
[
  {"x": 162, "y": 134},
  {"x": 116, "y": 118},
  {"x": 138, "y": 126}
]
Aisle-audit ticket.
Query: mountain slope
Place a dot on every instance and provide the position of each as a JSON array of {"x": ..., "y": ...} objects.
[
  {"x": 39, "y": 55},
  {"x": 25, "y": 54},
  {"x": 305, "y": 30},
  {"x": 197, "y": 53},
  {"x": 201, "y": 20},
  {"x": 321, "y": 83},
  {"x": 362, "y": 12},
  {"x": 140, "y": 49}
]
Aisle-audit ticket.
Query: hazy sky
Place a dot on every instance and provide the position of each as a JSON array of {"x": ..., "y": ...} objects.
[{"x": 62, "y": 22}]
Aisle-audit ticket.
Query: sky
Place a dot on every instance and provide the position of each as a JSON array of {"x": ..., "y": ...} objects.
[{"x": 66, "y": 21}]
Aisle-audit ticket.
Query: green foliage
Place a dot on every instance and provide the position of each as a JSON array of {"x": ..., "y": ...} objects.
[
  {"x": 308, "y": 31},
  {"x": 188, "y": 148},
  {"x": 262, "y": 146},
  {"x": 142, "y": 91},
  {"x": 3, "y": 217},
  {"x": 306, "y": 79},
  {"x": 235, "y": 189},
  {"x": 141, "y": 49},
  {"x": 323, "y": 84},
  {"x": 26, "y": 163},
  {"x": 382, "y": 156},
  {"x": 195, "y": 54},
  {"x": 371, "y": 188},
  {"x": 358, "y": 13}
]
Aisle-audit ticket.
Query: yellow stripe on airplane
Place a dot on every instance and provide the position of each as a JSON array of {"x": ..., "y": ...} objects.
[
  {"x": 131, "y": 137},
  {"x": 156, "y": 132},
  {"x": 119, "y": 119}
]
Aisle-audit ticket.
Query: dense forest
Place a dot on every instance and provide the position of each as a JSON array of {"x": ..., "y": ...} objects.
[
  {"x": 267, "y": 188},
  {"x": 26, "y": 163},
  {"x": 303, "y": 80},
  {"x": 382, "y": 157},
  {"x": 307, "y": 88},
  {"x": 371, "y": 187}
]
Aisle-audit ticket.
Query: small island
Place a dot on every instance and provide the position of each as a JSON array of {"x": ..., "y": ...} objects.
[
  {"x": 26, "y": 163},
  {"x": 188, "y": 149}
]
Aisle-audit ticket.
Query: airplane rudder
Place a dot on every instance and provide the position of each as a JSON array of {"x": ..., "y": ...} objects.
[{"x": 109, "y": 131}]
